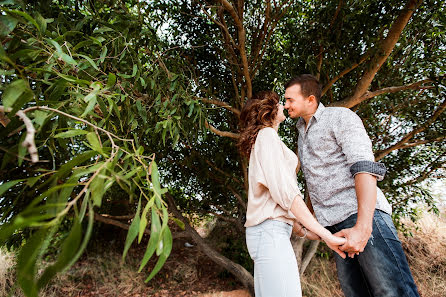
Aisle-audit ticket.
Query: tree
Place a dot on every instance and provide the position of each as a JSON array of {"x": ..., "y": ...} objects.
[
  {"x": 82, "y": 95},
  {"x": 196, "y": 64},
  {"x": 377, "y": 58}
]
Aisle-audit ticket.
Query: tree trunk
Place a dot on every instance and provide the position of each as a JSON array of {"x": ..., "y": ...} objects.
[
  {"x": 311, "y": 251},
  {"x": 237, "y": 270},
  {"x": 303, "y": 259},
  {"x": 298, "y": 247}
]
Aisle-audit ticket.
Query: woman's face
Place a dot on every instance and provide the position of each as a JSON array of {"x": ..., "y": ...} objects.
[{"x": 280, "y": 117}]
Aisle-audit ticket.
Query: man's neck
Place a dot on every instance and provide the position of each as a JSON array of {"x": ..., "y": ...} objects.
[{"x": 307, "y": 118}]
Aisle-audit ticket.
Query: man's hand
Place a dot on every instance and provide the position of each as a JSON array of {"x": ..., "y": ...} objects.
[{"x": 357, "y": 239}]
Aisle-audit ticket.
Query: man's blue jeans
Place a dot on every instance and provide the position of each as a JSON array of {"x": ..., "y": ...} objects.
[{"x": 381, "y": 270}]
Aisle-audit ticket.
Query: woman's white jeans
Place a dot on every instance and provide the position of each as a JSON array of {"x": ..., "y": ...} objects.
[{"x": 275, "y": 266}]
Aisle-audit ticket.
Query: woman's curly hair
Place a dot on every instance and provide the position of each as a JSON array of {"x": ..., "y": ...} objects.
[{"x": 258, "y": 112}]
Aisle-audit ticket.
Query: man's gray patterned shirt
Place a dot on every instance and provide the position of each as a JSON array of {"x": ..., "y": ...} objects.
[{"x": 332, "y": 150}]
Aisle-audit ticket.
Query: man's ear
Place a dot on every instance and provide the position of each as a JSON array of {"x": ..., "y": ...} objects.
[{"x": 312, "y": 99}]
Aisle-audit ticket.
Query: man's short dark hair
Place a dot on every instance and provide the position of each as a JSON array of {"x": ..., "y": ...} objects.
[{"x": 309, "y": 85}]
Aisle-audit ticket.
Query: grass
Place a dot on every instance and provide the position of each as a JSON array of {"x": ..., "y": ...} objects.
[
  {"x": 188, "y": 272},
  {"x": 7, "y": 263}
]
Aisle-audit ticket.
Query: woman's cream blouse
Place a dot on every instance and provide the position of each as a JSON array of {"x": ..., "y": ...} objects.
[{"x": 272, "y": 180}]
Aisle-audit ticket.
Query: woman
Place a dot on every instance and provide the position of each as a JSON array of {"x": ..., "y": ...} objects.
[{"x": 275, "y": 203}]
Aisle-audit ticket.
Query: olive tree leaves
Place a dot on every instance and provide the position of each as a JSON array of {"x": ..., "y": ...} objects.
[{"x": 94, "y": 99}]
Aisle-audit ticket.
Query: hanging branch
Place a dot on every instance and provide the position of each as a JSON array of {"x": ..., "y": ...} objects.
[{"x": 30, "y": 132}]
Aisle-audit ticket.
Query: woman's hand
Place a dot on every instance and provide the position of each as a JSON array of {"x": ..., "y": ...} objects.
[
  {"x": 301, "y": 232},
  {"x": 333, "y": 242}
]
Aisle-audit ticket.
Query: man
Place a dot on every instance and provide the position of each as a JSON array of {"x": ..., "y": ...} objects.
[{"x": 341, "y": 173}]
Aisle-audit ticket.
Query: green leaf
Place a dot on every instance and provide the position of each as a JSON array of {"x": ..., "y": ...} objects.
[
  {"x": 55, "y": 44},
  {"x": 178, "y": 222},
  {"x": 71, "y": 133},
  {"x": 7, "y": 24},
  {"x": 103, "y": 54},
  {"x": 133, "y": 231},
  {"x": 90, "y": 60},
  {"x": 67, "y": 167},
  {"x": 143, "y": 223},
  {"x": 24, "y": 15},
  {"x": 91, "y": 104},
  {"x": 26, "y": 263},
  {"x": 41, "y": 22},
  {"x": 68, "y": 59},
  {"x": 97, "y": 190},
  {"x": 40, "y": 117},
  {"x": 154, "y": 240},
  {"x": 6, "y": 186},
  {"x": 111, "y": 81},
  {"x": 94, "y": 142},
  {"x": 86, "y": 237},
  {"x": 155, "y": 179},
  {"x": 167, "y": 248},
  {"x": 68, "y": 250},
  {"x": 14, "y": 91},
  {"x": 31, "y": 181},
  {"x": 22, "y": 150},
  {"x": 135, "y": 69}
]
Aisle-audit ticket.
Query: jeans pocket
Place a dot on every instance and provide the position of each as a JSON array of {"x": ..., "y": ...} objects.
[
  {"x": 253, "y": 240},
  {"x": 386, "y": 226}
]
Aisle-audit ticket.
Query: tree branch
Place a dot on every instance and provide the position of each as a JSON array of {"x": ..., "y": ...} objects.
[
  {"x": 238, "y": 196},
  {"x": 107, "y": 220},
  {"x": 241, "y": 39},
  {"x": 384, "y": 48},
  {"x": 30, "y": 132},
  {"x": 222, "y": 104},
  {"x": 4, "y": 120},
  {"x": 257, "y": 58},
  {"x": 414, "y": 86},
  {"x": 308, "y": 256},
  {"x": 344, "y": 72},
  {"x": 221, "y": 133},
  {"x": 400, "y": 144},
  {"x": 427, "y": 171},
  {"x": 237, "y": 270},
  {"x": 424, "y": 141}
]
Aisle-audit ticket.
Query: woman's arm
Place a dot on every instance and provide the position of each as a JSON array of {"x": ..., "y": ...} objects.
[{"x": 304, "y": 216}]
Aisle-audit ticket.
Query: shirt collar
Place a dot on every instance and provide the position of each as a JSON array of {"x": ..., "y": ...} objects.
[
  {"x": 317, "y": 115},
  {"x": 319, "y": 111}
]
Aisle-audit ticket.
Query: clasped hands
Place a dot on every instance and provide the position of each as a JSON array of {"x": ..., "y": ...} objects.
[{"x": 356, "y": 239}]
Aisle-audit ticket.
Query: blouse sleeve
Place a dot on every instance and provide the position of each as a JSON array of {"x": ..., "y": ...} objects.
[{"x": 280, "y": 181}]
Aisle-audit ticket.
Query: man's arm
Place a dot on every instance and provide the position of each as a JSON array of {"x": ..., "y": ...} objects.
[
  {"x": 356, "y": 145},
  {"x": 358, "y": 235}
]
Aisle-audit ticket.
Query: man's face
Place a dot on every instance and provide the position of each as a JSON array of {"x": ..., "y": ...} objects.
[{"x": 296, "y": 103}]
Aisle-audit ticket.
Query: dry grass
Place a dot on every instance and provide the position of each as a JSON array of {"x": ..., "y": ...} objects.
[
  {"x": 6, "y": 270},
  {"x": 426, "y": 253},
  {"x": 189, "y": 272}
]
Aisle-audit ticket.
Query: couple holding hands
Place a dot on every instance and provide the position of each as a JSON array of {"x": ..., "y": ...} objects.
[{"x": 353, "y": 216}]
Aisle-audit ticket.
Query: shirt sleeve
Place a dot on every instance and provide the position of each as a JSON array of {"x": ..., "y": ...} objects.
[
  {"x": 356, "y": 145},
  {"x": 280, "y": 181}
]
